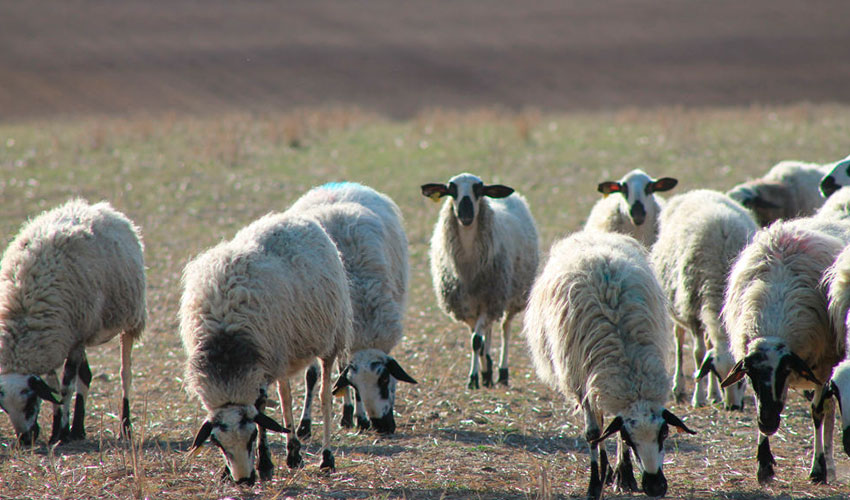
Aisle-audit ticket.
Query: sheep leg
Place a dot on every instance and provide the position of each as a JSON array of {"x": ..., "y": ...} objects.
[
  {"x": 592, "y": 431},
  {"x": 823, "y": 419},
  {"x": 363, "y": 422},
  {"x": 310, "y": 378},
  {"x": 624, "y": 477},
  {"x": 828, "y": 428},
  {"x": 486, "y": 360},
  {"x": 503, "y": 355},
  {"x": 293, "y": 446},
  {"x": 679, "y": 374},
  {"x": 264, "y": 457},
  {"x": 53, "y": 381},
  {"x": 61, "y": 416},
  {"x": 78, "y": 429},
  {"x": 699, "y": 397},
  {"x": 477, "y": 343},
  {"x": 126, "y": 381},
  {"x": 765, "y": 459},
  {"x": 327, "y": 456}
]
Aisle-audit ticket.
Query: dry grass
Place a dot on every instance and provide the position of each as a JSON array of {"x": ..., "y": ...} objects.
[{"x": 190, "y": 183}]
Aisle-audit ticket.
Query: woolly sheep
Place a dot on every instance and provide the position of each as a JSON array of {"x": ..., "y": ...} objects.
[
  {"x": 257, "y": 310},
  {"x": 701, "y": 233},
  {"x": 366, "y": 227},
  {"x": 73, "y": 277},
  {"x": 484, "y": 255},
  {"x": 786, "y": 191},
  {"x": 837, "y": 281},
  {"x": 836, "y": 178},
  {"x": 775, "y": 311},
  {"x": 599, "y": 331},
  {"x": 635, "y": 212}
]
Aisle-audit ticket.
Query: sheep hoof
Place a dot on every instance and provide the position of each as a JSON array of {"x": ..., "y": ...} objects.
[
  {"x": 503, "y": 377},
  {"x": 347, "y": 419},
  {"x": 293, "y": 455},
  {"x": 59, "y": 435},
  {"x": 304, "y": 432},
  {"x": 487, "y": 378},
  {"x": 594, "y": 491},
  {"x": 266, "y": 468},
  {"x": 624, "y": 479},
  {"x": 680, "y": 397},
  {"x": 473, "y": 382},
  {"x": 77, "y": 434},
  {"x": 818, "y": 473},
  {"x": 765, "y": 473},
  {"x": 363, "y": 424},
  {"x": 327, "y": 461}
]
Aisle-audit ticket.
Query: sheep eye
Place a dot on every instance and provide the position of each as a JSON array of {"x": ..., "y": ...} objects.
[{"x": 478, "y": 189}]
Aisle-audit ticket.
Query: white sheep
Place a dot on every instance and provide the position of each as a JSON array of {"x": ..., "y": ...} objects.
[
  {"x": 257, "y": 310},
  {"x": 598, "y": 329},
  {"x": 775, "y": 311},
  {"x": 484, "y": 255},
  {"x": 837, "y": 177},
  {"x": 366, "y": 227},
  {"x": 701, "y": 233},
  {"x": 73, "y": 277},
  {"x": 788, "y": 190},
  {"x": 635, "y": 212}
]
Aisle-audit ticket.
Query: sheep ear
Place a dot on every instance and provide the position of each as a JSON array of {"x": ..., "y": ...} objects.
[
  {"x": 200, "y": 438},
  {"x": 341, "y": 383},
  {"x": 497, "y": 191},
  {"x": 664, "y": 184},
  {"x": 609, "y": 187},
  {"x": 706, "y": 367},
  {"x": 612, "y": 428},
  {"x": 735, "y": 374},
  {"x": 268, "y": 423},
  {"x": 675, "y": 421},
  {"x": 797, "y": 364},
  {"x": 398, "y": 372},
  {"x": 434, "y": 191},
  {"x": 42, "y": 390}
]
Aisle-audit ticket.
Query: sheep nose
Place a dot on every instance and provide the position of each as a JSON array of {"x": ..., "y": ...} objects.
[
  {"x": 638, "y": 213},
  {"x": 385, "y": 424},
  {"x": 250, "y": 480},
  {"x": 828, "y": 186},
  {"x": 29, "y": 437},
  {"x": 654, "y": 485},
  {"x": 465, "y": 211}
]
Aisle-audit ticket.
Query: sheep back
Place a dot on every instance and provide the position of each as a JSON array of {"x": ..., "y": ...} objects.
[
  {"x": 261, "y": 307},
  {"x": 73, "y": 276},
  {"x": 597, "y": 322}
]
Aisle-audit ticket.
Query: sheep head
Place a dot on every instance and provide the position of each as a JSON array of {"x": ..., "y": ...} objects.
[
  {"x": 466, "y": 191},
  {"x": 636, "y": 187},
  {"x": 373, "y": 376},
  {"x": 837, "y": 178},
  {"x": 20, "y": 397}
]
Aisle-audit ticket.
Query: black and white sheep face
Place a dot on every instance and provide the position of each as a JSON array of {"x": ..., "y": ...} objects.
[
  {"x": 718, "y": 366},
  {"x": 644, "y": 429},
  {"x": 769, "y": 364},
  {"x": 373, "y": 375},
  {"x": 466, "y": 191},
  {"x": 836, "y": 179},
  {"x": 636, "y": 187},
  {"x": 20, "y": 398},
  {"x": 234, "y": 429}
]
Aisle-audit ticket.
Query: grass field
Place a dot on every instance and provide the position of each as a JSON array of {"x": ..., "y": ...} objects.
[{"x": 189, "y": 183}]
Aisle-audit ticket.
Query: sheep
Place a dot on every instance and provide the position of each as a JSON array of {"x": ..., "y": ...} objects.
[
  {"x": 837, "y": 281},
  {"x": 775, "y": 311},
  {"x": 598, "y": 330},
  {"x": 484, "y": 255},
  {"x": 788, "y": 190},
  {"x": 701, "y": 233},
  {"x": 836, "y": 178},
  {"x": 636, "y": 212},
  {"x": 73, "y": 277},
  {"x": 257, "y": 310},
  {"x": 366, "y": 227}
]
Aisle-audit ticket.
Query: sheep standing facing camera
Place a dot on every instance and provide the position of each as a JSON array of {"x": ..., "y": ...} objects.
[
  {"x": 73, "y": 277},
  {"x": 366, "y": 227},
  {"x": 598, "y": 329},
  {"x": 636, "y": 211},
  {"x": 701, "y": 234},
  {"x": 484, "y": 255},
  {"x": 257, "y": 310}
]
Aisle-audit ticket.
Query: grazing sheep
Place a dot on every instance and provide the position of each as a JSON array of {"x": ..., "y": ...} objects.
[
  {"x": 701, "y": 233},
  {"x": 836, "y": 178},
  {"x": 257, "y": 310},
  {"x": 366, "y": 227},
  {"x": 599, "y": 331},
  {"x": 776, "y": 314},
  {"x": 484, "y": 255},
  {"x": 786, "y": 191},
  {"x": 73, "y": 277},
  {"x": 636, "y": 212}
]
